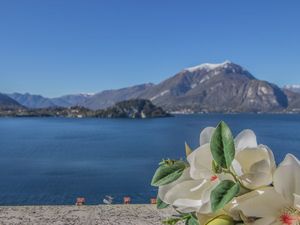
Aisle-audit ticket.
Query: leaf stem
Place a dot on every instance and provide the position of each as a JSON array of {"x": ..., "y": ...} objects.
[{"x": 236, "y": 179}]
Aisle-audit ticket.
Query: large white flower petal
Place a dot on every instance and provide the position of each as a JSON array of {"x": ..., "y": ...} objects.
[
  {"x": 206, "y": 192},
  {"x": 289, "y": 159},
  {"x": 256, "y": 180},
  {"x": 190, "y": 189},
  {"x": 188, "y": 205},
  {"x": 245, "y": 139},
  {"x": 162, "y": 190},
  {"x": 189, "y": 194},
  {"x": 236, "y": 166},
  {"x": 261, "y": 203},
  {"x": 249, "y": 156},
  {"x": 297, "y": 201},
  {"x": 200, "y": 161},
  {"x": 205, "y": 135},
  {"x": 206, "y": 208},
  {"x": 287, "y": 178},
  {"x": 262, "y": 166},
  {"x": 271, "y": 157},
  {"x": 259, "y": 175},
  {"x": 266, "y": 221},
  {"x": 184, "y": 206},
  {"x": 255, "y": 166}
]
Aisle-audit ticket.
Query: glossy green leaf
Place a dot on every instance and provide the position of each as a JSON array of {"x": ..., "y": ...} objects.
[
  {"x": 192, "y": 221},
  {"x": 222, "y": 145},
  {"x": 215, "y": 167},
  {"x": 223, "y": 193},
  {"x": 171, "y": 221},
  {"x": 168, "y": 173},
  {"x": 160, "y": 204}
]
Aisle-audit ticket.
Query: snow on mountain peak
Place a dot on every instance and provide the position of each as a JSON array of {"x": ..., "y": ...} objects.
[
  {"x": 86, "y": 94},
  {"x": 208, "y": 66},
  {"x": 292, "y": 86}
]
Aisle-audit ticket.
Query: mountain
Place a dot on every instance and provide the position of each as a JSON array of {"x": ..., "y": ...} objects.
[
  {"x": 32, "y": 101},
  {"x": 293, "y": 94},
  {"x": 224, "y": 87},
  {"x": 294, "y": 100},
  {"x": 292, "y": 87},
  {"x": 71, "y": 100},
  {"x": 108, "y": 98},
  {"x": 8, "y": 103},
  {"x": 134, "y": 108},
  {"x": 38, "y": 101}
]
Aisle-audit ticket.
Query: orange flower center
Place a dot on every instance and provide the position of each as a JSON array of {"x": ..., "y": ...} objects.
[
  {"x": 287, "y": 219},
  {"x": 213, "y": 178},
  {"x": 290, "y": 216}
]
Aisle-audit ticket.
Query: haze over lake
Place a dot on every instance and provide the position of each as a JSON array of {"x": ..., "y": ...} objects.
[{"x": 55, "y": 160}]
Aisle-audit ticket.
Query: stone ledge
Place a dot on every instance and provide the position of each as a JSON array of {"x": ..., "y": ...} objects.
[{"x": 83, "y": 215}]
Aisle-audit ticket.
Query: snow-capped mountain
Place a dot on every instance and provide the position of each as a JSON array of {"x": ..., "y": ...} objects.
[
  {"x": 216, "y": 88},
  {"x": 212, "y": 66},
  {"x": 292, "y": 87},
  {"x": 220, "y": 87}
]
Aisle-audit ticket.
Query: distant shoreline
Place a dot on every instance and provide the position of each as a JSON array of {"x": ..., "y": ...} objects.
[
  {"x": 135, "y": 108},
  {"x": 171, "y": 114}
]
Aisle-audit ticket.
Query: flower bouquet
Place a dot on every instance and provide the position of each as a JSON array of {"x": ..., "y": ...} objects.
[{"x": 227, "y": 181}]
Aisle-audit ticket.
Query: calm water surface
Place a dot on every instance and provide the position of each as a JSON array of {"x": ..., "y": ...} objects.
[{"x": 55, "y": 160}]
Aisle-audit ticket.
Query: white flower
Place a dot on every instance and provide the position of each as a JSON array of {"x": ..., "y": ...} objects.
[
  {"x": 191, "y": 192},
  {"x": 278, "y": 205},
  {"x": 188, "y": 195},
  {"x": 253, "y": 164}
]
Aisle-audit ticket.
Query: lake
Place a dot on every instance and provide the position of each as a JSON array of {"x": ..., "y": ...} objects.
[{"x": 55, "y": 160}]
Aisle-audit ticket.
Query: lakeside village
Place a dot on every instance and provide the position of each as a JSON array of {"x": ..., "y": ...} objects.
[{"x": 136, "y": 108}]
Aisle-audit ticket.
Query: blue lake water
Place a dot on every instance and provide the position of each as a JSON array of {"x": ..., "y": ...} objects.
[{"x": 55, "y": 160}]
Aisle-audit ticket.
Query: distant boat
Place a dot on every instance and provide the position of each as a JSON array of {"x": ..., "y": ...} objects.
[{"x": 108, "y": 200}]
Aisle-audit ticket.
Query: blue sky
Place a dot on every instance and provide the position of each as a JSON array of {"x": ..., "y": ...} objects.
[{"x": 55, "y": 47}]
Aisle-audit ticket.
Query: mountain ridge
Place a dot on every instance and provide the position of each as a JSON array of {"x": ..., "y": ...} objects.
[
  {"x": 221, "y": 87},
  {"x": 7, "y": 103}
]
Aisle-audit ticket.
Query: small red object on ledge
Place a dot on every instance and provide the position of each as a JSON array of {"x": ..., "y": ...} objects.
[
  {"x": 127, "y": 200},
  {"x": 153, "y": 201},
  {"x": 80, "y": 201}
]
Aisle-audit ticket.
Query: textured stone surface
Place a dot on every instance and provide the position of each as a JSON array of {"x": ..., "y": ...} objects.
[{"x": 85, "y": 215}]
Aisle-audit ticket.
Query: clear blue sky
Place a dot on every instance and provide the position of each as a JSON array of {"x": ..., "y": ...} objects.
[{"x": 55, "y": 47}]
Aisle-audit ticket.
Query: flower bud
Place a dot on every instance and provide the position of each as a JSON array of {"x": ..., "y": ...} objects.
[{"x": 221, "y": 220}]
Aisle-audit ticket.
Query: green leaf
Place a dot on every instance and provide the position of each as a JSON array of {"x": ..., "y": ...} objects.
[
  {"x": 222, "y": 145},
  {"x": 160, "y": 204},
  {"x": 215, "y": 167},
  {"x": 192, "y": 221},
  {"x": 171, "y": 221},
  {"x": 223, "y": 193},
  {"x": 167, "y": 173}
]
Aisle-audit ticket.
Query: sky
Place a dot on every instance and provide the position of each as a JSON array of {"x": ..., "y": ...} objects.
[{"x": 57, "y": 47}]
